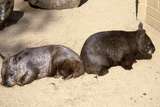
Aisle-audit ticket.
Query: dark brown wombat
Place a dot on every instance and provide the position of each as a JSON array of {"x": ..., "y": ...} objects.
[
  {"x": 111, "y": 48},
  {"x": 39, "y": 62}
]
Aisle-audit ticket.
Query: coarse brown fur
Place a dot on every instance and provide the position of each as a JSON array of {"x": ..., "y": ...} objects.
[
  {"x": 40, "y": 62},
  {"x": 112, "y": 48}
]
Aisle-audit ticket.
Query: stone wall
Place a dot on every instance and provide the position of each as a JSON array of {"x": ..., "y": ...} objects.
[
  {"x": 142, "y": 10},
  {"x": 153, "y": 13}
]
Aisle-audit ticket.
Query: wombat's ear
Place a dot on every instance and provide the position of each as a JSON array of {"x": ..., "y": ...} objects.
[
  {"x": 141, "y": 32},
  {"x": 140, "y": 26}
]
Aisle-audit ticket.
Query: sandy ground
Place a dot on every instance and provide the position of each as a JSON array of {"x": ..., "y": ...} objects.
[{"x": 120, "y": 88}]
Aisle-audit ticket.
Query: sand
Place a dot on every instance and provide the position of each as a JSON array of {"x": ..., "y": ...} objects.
[{"x": 71, "y": 27}]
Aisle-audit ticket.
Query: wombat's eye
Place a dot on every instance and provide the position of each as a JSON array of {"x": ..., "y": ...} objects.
[
  {"x": 148, "y": 47},
  {"x": 11, "y": 74}
]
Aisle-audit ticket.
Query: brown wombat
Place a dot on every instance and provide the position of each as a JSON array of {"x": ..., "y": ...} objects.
[
  {"x": 111, "y": 48},
  {"x": 35, "y": 63}
]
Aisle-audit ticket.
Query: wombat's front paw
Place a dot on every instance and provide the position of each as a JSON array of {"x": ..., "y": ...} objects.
[
  {"x": 102, "y": 72},
  {"x": 127, "y": 64},
  {"x": 127, "y": 67},
  {"x": 67, "y": 77}
]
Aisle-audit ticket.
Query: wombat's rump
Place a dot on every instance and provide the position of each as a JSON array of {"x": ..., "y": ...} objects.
[
  {"x": 39, "y": 62},
  {"x": 111, "y": 48}
]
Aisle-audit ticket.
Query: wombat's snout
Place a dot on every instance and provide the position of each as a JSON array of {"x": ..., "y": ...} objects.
[
  {"x": 151, "y": 51},
  {"x": 7, "y": 83}
]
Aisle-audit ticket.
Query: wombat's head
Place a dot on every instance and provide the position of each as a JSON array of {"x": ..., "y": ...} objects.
[
  {"x": 10, "y": 73},
  {"x": 6, "y": 7},
  {"x": 145, "y": 46}
]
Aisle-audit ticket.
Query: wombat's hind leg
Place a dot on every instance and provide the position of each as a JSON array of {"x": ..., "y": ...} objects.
[
  {"x": 102, "y": 72},
  {"x": 78, "y": 70}
]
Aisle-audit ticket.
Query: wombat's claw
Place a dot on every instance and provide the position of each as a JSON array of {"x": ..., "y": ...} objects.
[{"x": 68, "y": 77}]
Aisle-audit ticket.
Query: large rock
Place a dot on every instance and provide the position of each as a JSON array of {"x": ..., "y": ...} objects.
[
  {"x": 55, "y": 4},
  {"x": 6, "y": 8}
]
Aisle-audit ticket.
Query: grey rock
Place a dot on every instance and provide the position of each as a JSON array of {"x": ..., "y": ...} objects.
[
  {"x": 6, "y": 9},
  {"x": 54, "y": 4}
]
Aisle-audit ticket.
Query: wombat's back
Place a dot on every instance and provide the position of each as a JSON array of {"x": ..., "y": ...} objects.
[
  {"x": 110, "y": 44},
  {"x": 109, "y": 37},
  {"x": 56, "y": 51}
]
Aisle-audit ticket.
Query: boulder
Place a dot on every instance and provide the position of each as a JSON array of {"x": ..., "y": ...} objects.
[{"x": 6, "y": 9}]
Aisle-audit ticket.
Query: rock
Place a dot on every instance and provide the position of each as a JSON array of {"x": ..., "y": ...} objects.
[
  {"x": 54, "y": 4},
  {"x": 6, "y": 9}
]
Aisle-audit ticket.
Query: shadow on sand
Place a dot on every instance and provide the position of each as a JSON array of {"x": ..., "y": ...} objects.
[{"x": 11, "y": 49}]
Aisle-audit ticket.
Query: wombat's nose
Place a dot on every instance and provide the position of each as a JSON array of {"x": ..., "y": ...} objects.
[
  {"x": 7, "y": 84},
  {"x": 153, "y": 50}
]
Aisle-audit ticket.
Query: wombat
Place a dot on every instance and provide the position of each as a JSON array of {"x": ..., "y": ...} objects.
[
  {"x": 105, "y": 49},
  {"x": 6, "y": 9},
  {"x": 39, "y": 62},
  {"x": 54, "y": 4}
]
